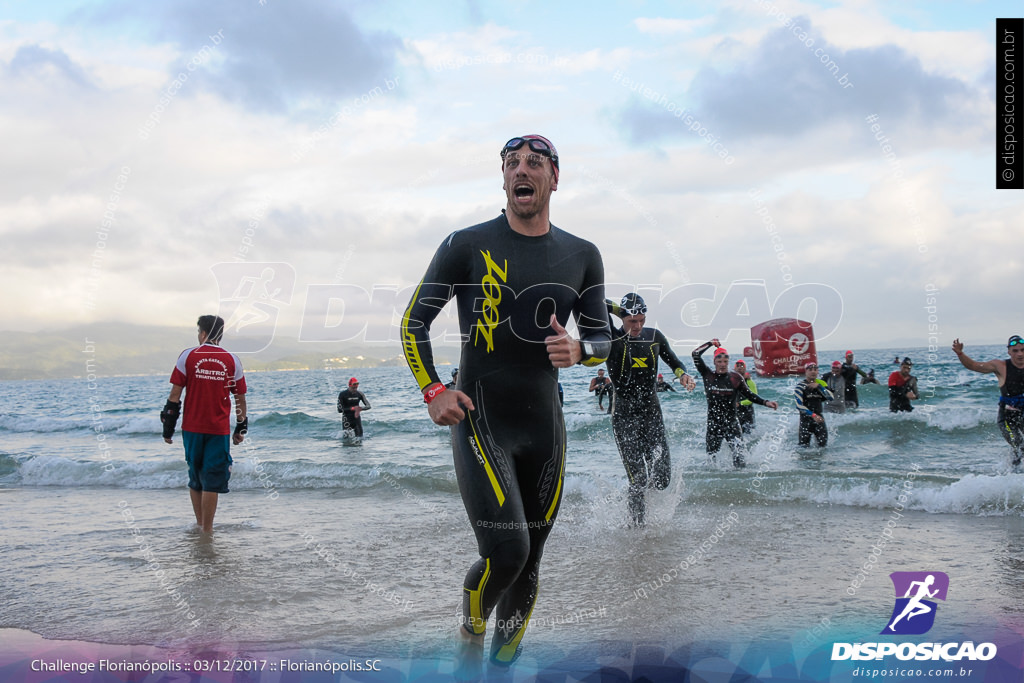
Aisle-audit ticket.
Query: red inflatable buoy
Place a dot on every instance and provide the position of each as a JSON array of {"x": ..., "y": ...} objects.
[{"x": 783, "y": 347}]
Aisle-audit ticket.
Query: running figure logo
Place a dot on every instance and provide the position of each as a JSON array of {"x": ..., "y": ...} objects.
[
  {"x": 251, "y": 296},
  {"x": 914, "y": 612}
]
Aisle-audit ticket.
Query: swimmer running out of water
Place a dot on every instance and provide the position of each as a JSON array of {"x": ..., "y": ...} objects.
[
  {"x": 516, "y": 280},
  {"x": 1010, "y": 372}
]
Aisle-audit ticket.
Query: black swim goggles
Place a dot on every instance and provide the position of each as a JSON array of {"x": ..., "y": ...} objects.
[{"x": 536, "y": 144}]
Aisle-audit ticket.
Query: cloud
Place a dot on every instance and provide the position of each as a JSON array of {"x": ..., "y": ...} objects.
[
  {"x": 275, "y": 57},
  {"x": 39, "y": 62},
  {"x": 795, "y": 81},
  {"x": 662, "y": 26}
]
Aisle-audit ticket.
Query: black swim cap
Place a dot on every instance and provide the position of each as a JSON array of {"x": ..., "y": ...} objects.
[{"x": 633, "y": 304}]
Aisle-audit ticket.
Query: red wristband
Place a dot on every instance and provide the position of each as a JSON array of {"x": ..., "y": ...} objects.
[{"x": 432, "y": 392}]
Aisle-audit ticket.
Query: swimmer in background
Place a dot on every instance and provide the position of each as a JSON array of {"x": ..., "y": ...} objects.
[
  {"x": 810, "y": 395},
  {"x": 348, "y": 405},
  {"x": 724, "y": 389},
  {"x": 902, "y": 388},
  {"x": 745, "y": 409},
  {"x": 602, "y": 386},
  {"x": 836, "y": 382},
  {"x": 850, "y": 370}
]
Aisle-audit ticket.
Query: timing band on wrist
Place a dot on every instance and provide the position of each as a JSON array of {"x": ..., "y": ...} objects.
[{"x": 433, "y": 392}]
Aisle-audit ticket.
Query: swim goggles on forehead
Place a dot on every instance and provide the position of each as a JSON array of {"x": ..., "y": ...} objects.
[
  {"x": 537, "y": 145},
  {"x": 1014, "y": 341}
]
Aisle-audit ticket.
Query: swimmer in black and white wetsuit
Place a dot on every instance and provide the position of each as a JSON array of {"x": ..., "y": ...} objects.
[
  {"x": 810, "y": 396},
  {"x": 516, "y": 280},
  {"x": 1010, "y": 372}
]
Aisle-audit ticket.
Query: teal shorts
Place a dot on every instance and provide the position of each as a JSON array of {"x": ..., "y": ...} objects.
[{"x": 209, "y": 461}]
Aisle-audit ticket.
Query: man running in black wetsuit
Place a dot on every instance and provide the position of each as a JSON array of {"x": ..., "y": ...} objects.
[
  {"x": 348, "y": 405},
  {"x": 602, "y": 386},
  {"x": 661, "y": 385},
  {"x": 849, "y": 371},
  {"x": 1010, "y": 372},
  {"x": 810, "y": 395},
  {"x": 516, "y": 280},
  {"x": 724, "y": 389},
  {"x": 636, "y": 420},
  {"x": 836, "y": 382}
]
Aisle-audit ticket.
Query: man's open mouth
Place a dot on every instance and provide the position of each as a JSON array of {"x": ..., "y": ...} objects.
[{"x": 523, "y": 191}]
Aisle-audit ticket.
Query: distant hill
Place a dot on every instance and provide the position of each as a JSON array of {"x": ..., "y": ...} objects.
[{"x": 124, "y": 349}]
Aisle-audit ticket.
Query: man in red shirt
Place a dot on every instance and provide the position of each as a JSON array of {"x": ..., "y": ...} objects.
[
  {"x": 208, "y": 375},
  {"x": 902, "y": 388}
]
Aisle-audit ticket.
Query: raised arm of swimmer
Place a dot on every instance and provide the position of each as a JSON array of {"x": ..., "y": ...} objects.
[{"x": 998, "y": 368}]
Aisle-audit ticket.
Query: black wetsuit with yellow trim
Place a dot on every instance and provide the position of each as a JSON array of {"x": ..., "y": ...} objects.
[
  {"x": 509, "y": 451},
  {"x": 637, "y": 422},
  {"x": 1011, "y": 410}
]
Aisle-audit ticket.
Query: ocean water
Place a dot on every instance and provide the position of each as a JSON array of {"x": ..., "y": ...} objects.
[{"x": 326, "y": 543}]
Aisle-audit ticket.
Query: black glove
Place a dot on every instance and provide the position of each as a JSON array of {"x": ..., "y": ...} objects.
[
  {"x": 242, "y": 427},
  {"x": 169, "y": 416}
]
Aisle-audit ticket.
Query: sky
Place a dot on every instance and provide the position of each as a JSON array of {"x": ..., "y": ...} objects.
[{"x": 299, "y": 162}]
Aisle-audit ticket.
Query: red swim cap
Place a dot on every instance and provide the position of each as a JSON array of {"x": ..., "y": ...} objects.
[
  {"x": 353, "y": 381},
  {"x": 720, "y": 350}
]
